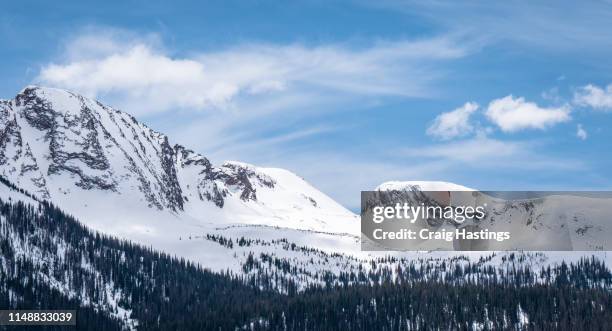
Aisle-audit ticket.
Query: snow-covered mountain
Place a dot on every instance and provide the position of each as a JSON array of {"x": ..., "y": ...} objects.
[
  {"x": 49, "y": 259},
  {"x": 100, "y": 163},
  {"x": 120, "y": 177},
  {"x": 421, "y": 185},
  {"x": 549, "y": 221}
]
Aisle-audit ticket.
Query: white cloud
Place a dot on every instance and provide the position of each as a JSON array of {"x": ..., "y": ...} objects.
[
  {"x": 594, "y": 97},
  {"x": 453, "y": 124},
  {"x": 581, "y": 132},
  {"x": 514, "y": 114},
  {"x": 137, "y": 73}
]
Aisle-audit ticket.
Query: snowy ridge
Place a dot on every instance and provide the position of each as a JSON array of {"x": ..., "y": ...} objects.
[
  {"x": 421, "y": 185},
  {"x": 61, "y": 146},
  {"x": 257, "y": 251},
  {"x": 122, "y": 178},
  {"x": 550, "y": 222},
  {"x": 118, "y": 176},
  {"x": 118, "y": 279}
]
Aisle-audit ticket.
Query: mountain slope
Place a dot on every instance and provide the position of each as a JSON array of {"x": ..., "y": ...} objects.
[
  {"x": 263, "y": 227},
  {"x": 548, "y": 221},
  {"x": 85, "y": 156},
  {"x": 421, "y": 185},
  {"x": 48, "y": 260},
  {"x": 124, "y": 179}
]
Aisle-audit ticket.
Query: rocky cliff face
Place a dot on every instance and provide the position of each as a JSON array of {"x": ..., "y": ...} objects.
[
  {"x": 62, "y": 146},
  {"x": 98, "y": 148}
]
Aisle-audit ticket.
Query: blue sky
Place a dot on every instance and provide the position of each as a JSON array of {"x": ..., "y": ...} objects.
[{"x": 348, "y": 94}]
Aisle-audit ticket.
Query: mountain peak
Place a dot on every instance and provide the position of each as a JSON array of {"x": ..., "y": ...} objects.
[
  {"x": 30, "y": 87},
  {"x": 39, "y": 88},
  {"x": 56, "y": 100},
  {"x": 80, "y": 154},
  {"x": 421, "y": 185}
]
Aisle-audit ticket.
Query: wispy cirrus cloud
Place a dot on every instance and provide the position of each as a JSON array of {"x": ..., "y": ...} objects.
[
  {"x": 478, "y": 150},
  {"x": 128, "y": 68},
  {"x": 252, "y": 101},
  {"x": 482, "y": 152},
  {"x": 538, "y": 25}
]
